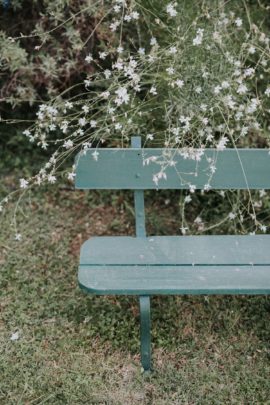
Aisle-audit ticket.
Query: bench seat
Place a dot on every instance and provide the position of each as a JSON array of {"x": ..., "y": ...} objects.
[{"x": 176, "y": 265}]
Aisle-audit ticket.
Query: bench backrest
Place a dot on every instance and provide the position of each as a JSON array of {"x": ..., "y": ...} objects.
[{"x": 145, "y": 168}]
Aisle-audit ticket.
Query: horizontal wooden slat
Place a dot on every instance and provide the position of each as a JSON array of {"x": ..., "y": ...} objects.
[
  {"x": 177, "y": 250},
  {"x": 125, "y": 169},
  {"x": 151, "y": 280}
]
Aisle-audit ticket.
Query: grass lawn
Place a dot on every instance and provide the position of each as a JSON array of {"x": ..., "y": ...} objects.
[{"x": 78, "y": 349}]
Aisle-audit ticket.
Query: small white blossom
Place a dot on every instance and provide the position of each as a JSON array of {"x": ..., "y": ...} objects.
[
  {"x": 135, "y": 15},
  {"x": 172, "y": 50},
  {"x": 82, "y": 122},
  {"x": 15, "y": 336},
  {"x": 107, "y": 73},
  {"x": 71, "y": 176},
  {"x": 267, "y": 91},
  {"x": 24, "y": 183},
  {"x": 85, "y": 109},
  {"x": 68, "y": 144},
  {"x": 153, "y": 90},
  {"x": 89, "y": 58},
  {"x": 232, "y": 215},
  {"x": 251, "y": 50},
  {"x": 171, "y": 9},
  {"x": 170, "y": 70},
  {"x": 103, "y": 55},
  {"x": 18, "y": 237},
  {"x": 141, "y": 51},
  {"x": 222, "y": 143},
  {"x": 238, "y": 22},
  {"x": 187, "y": 199},
  {"x": 105, "y": 94},
  {"x": 179, "y": 83},
  {"x": 93, "y": 123},
  {"x": 263, "y": 228},
  {"x": 95, "y": 155},
  {"x": 199, "y": 37},
  {"x": 51, "y": 179},
  {"x": 123, "y": 96},
  {"x": 242, "y": 89},
  {"x": 114, "y": 26}
]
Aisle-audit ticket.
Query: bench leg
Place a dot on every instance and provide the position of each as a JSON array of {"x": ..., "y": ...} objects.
[{"x": 145, "y": 332}]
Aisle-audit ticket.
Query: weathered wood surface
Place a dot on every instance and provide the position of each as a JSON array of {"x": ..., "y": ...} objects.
[{"x": 127, "y": 169}]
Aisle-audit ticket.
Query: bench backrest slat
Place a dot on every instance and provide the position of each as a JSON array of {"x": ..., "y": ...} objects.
[{"x": 134, "y": 169}]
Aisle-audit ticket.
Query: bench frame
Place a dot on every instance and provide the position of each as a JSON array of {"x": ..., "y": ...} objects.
[
  {"x": 145, "y": 303},
  {"x": 241, "y": 173}
]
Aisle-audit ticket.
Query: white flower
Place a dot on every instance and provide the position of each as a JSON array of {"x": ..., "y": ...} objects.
[
  {"x": 135, "y": 15},
  {"x": 141, "y": 51},
  {"x": 242, "y": 89},
  {"x": 222, "y": 143},
  {"x": 118, "y": 126},
  {"x": 217, "y": 89},
  {"x": 238, "y": 22},
  {"x": 114, "y": 26},
  {"x": 153, "y": 90},
  {"x": 87, "y": 82},
  {"x": 27, "y": 132},
  {"x": 18, "y": 237},
  {"x": 123, "y": 96},
  {"x": 103, "y": 55},
  {"x": 153, "y": 41},
  {"x": 170, "y": 70},
  {"x": 187, "y": 199},
  {"x": 199, "y": 37},
  {"x": 198, "y": 89},
  {"x": 89, "y": 58},
  {"x": 68, "y": 144},
  {"x": 105, "y": 94},
  {"x": 71, "y": 176},
  {"x": 95, "y": 155},
  {"x": 14, "y": 336},
  {"x": 150, "y": 137},
  {"x": 82, "y": 122},
  {"x": 173, "y": 50},
  {"x": 267, "y": 91},
  {"x": 263, "y": 228},
  {"x": 225, "y": 84},
  {"x": 179, "y": 83},
  {"x": 85, "y": 109},
  {"x": 68, "y": 104},
  {"x": 120, "y": 49},
  {"x": 51, "y": 179},
  {"x": 192, "y": 188},
  {"x": 183, "y": 230},
  {"x": 232, "y": 215},
  {"x": 107, "y": 73},
  {"x": 24, "y": 183},
  {"x": 251, "y": 50},
  {"x": 171, "y": 9},
  {"x": 93, "y": 123}
]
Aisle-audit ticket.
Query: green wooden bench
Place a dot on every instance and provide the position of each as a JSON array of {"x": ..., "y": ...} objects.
[{"x": 146, "y": 266}]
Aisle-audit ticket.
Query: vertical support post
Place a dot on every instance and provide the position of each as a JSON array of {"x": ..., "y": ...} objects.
[
  {"x": 139, "y": 198},
  {"x": 145, "y": 320}
]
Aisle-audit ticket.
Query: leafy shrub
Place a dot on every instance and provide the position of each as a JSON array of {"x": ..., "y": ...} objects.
[{"x": 182, "y": 74}]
